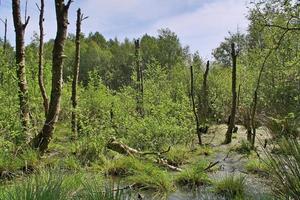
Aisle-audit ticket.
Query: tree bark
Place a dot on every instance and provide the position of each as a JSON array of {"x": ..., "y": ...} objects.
[
  {"x": 203, "y": 108},
  {"x": 140, "y": 84},
  {"x": 198, "y": 131},
  {"x": 231, "y": 125},
  {"x": 42, "y": 140},
  {"x": 41, "y": 59},
  {"x": 76, "y": 72},
  {"x": 20, "y": 62}
]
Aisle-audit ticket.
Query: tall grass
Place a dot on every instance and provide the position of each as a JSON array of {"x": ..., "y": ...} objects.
[
  {"x": 285, "y": 169},
  {"x": 231, "y": 187},
  {"x": 55, "y": 186}
]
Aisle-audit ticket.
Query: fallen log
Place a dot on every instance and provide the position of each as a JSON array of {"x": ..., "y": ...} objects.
[{"x": 123, "y": 149}]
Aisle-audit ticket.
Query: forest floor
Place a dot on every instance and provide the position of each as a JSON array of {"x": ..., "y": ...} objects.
[{"x": 232, "y": 160}]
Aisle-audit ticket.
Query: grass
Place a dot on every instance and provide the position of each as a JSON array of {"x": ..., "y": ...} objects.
[
  {"x": 177, "y": 155},
  {"x": 194, "y": 176},
  {"x": 153, "y": 179},
  {"x": 256, "y": 166},
  {"x": 38, "y": 187},
  {"x": 144, "y": 175},
  {"x": 205, "y": 150},
  {"x": 124, "y": 166},
  {"x": 231, "y": 187},
  {"x": 50, "y": 186},
  {"x": 244, "y": 148},
  {"x": 285, "y": 170}
]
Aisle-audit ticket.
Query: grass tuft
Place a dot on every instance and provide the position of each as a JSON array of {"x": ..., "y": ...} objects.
[
  {"x": 231, "y": 187},
  {"x": 194, "y": 176}
]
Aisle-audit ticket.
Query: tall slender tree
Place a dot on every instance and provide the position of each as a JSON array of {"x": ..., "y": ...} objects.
[
  {"x": 140, "y": 85},
  {"x": 20, "y": 62},
  {"x": 203, "y": 106},
  {"x": 198, "y": 130},
  {"x": 76, "y": 67},
  {"x": 42, "y": 140},
  {"x": 231, "y": 125},
  {"x": 41, "y": 58}
]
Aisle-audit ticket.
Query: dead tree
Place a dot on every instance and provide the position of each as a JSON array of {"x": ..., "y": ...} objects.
[
  {"x": 80, "y": 18},
  {"x": 203, "y": 106},
  {"x": 41, "y": 58},
  {"x": 198, "y": 131},
  {"x": 231, "y": 125},
  {"x": 140, "y": 81},
  {"x": 5, "y": 35},
  {"x": 42, "y": 140},
  {"x": 20, "y": 62}
]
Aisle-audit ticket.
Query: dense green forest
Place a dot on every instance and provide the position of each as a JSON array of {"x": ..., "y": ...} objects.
[{"x": 86, "y": 117}]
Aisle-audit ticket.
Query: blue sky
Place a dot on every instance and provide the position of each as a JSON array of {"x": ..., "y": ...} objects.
[{"x": 201, "y": 24}]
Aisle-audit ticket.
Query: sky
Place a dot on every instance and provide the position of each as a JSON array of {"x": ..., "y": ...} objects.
[{"x": 200, "y": 24}]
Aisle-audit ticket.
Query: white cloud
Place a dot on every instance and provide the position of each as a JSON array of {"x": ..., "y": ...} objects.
[
  {"x": 206, "y": 27},
  {"x": 201, "y": 24}
]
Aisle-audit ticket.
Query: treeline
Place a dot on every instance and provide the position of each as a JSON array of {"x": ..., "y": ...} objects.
[{"x": 267, "y": 75}]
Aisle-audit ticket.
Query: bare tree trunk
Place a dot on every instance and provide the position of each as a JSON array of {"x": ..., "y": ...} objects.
[
  {"x": 5, "y": 35},
  {"x": 42, "y": 140},
  {"x": 204, "y": 103},
  {"x": 76, "y": 71},
  {"x": 234, "y": 97},
  {"x": 140, "y": 85},
  {"x": 41, "y": 59},
  {"x": 198, "y": 131},
  {"x": 20, "y": 61}
]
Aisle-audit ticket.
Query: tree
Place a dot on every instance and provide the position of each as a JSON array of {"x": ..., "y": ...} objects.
[
  {"x": 139, "y": 84},
  {"x": 222, "y": 54},
  {"x": 204, "y": 108},
  {"x": 42, "y": 140},
  {"x": 41, "y": 58},
  {"x": 76, "y": 67},
  {"x": 198, "y": 130},
  {"x": 20, "y": 62},
  {"x": 231, "y": 125}
]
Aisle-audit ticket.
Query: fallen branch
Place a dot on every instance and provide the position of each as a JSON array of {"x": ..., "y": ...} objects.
[
  {"x": 211, "y": 165},
  {"x": 121, "y": 148}
]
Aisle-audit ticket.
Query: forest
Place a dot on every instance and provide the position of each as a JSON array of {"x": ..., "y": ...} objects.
[{"x": 87, "y": 117}]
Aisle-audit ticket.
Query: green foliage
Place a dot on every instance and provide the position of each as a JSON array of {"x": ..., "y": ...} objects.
[
  {"x": 193, "y": 176},
  {"x": 177, "y": 155},
  {"x": 231, "y": 187},
  {"x": 124, "y": 166},
  {"x": 285, "y": 169},
  {"x": 45, "y": 186},
  {"x": 244, "y": 148},
  {"x": 257, "y": 166},
  {"x": 152, "y": 178},
  {"x": 92, "y": 190}
]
